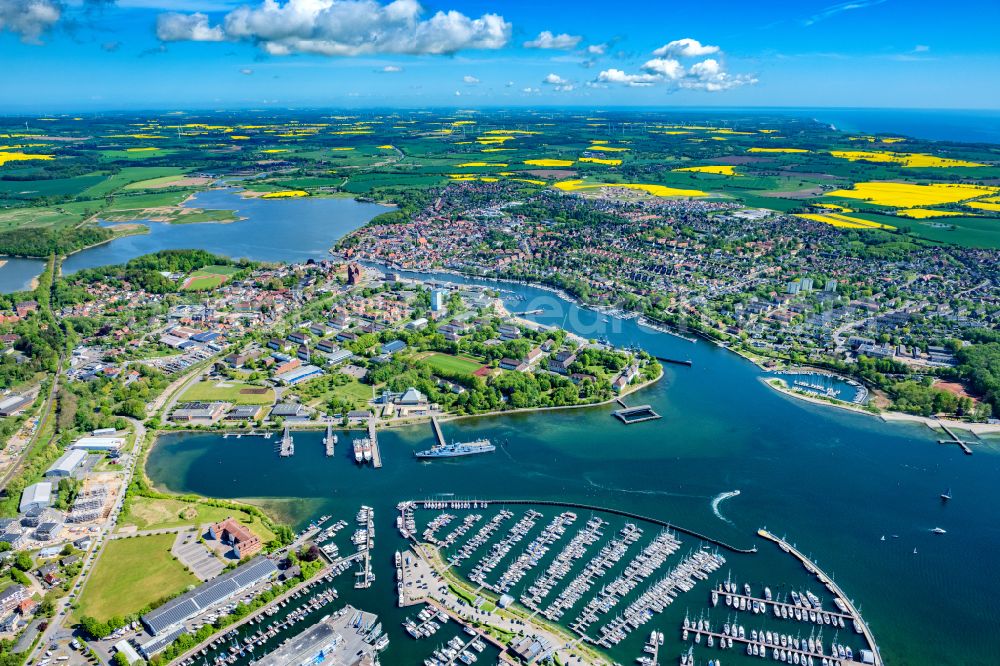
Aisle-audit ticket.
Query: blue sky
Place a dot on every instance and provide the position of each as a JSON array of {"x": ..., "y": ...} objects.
[{"x": 81, "y": 55}]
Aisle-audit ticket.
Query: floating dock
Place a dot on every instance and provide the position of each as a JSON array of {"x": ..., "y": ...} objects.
[
  {"x": 287, "y": 444},
  {"x": 638, "y": 414},
  {"x": 687, "y": 362},
  {"x": 373, "y": 438},
  {"x": 329, "y": 441},
  {"x": 833, "y": 587},
  {"x": 955, "y": 439}
]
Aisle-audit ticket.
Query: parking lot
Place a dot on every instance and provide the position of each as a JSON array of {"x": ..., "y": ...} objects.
[{"x": 196, "y": 556}]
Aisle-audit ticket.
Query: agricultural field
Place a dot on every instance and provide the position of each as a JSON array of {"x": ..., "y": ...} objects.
[
  {"x": 125, "y": 169},
  {"x": 237, "y": 393},
  {"x": 131, "y": 574},
  {"x": 209, "y": 277}
]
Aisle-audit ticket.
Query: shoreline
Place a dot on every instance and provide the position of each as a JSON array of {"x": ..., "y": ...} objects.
[{"x": 889, "y": 416}]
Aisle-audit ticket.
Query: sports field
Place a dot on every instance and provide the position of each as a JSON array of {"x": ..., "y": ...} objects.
[
  {"x": 229, "y": 391},
  {"x": 208, "y": 277},
  {"x": 449, "y": 363}
]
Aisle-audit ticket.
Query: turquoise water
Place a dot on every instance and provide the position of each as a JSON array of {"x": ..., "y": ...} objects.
[{"x": 832, "y": 481}]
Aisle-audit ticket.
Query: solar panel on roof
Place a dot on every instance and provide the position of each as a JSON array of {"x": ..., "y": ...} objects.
[{"x": 225, "y": 586}]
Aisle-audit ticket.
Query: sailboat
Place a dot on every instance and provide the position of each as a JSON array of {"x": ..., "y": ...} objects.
[{"x": 946, "y": 495}]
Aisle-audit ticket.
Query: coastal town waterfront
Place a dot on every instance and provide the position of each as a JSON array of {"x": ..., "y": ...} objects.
[{"x": 833, "y": 483}]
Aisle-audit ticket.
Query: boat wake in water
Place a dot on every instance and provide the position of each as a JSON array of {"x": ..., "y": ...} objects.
[
  {"x": 719, "y": 499},
  {"x": 636, "y": 492}
]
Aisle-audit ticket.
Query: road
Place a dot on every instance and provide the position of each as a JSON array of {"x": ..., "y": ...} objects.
[
  {"x": 57, "y": 631},
  {"x": 43, "y": 421}
]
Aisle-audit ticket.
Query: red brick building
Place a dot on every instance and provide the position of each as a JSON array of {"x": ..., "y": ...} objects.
[{"x": 244, "y": 542}]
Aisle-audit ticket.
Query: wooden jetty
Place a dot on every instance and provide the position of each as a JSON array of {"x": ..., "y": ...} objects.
[
  {"x": 955, "y": 439},
  {"x": 373, "y": 438},
  {"x": 833, "y": 587},
  {"x": 287, "y": 444},
  {"x": 330, "y": 440}
]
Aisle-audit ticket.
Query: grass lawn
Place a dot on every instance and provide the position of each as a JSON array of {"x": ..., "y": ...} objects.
[
  {"x": 130, "y": 575},
  {"x": 228, "y": 391},
  {"x": 152, "y": 514},
  {"x": 449, "y": 363},
  {"x": 320, "y": 390},
  {"x": 130, "y": 175}
]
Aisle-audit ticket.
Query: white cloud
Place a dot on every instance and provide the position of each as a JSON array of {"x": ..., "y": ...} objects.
[
  {"x": 709, "y": 75},
  {"x": 921, "y": 48},
  {"x": 246, "y": 71},
  {"x": 343, "y": 28},
  {"x": 597, "y": 49},
  {"x": 631, "y": 80},
  {"x": 29, "y": 18},
  {"x": 530, "y": 91},
  {"x": 174, "y": 27},
  {"x": 665, "y": 67},
  {"x": 469, "y": 80},
  {"x": 839, "y": 8},
  {"x": 392, "y": 69},
  {"x": 558, "y": 83},
  {"x": 547, "y": 40},
  {"x": 686, "y": 48}
]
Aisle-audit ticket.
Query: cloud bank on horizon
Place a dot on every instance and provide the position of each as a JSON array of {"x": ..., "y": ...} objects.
[{"x": 647, "y": 53}]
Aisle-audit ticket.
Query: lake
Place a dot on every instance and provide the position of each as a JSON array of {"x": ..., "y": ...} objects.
[
  {"x": 288, "y": 230},
  {"x": 833, "y": 482}
]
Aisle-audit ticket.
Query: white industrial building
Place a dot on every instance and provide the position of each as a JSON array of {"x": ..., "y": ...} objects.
[
  {"x": 36, "y": 496},
  {"x": 67, "y": 463},
  {"x": 104, "y": 444}
]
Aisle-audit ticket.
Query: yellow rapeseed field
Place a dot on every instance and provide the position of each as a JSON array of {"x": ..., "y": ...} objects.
[
  {"x": 285, "y": 194},
  {"x": 655, "y": 190},
  {"x": 483, "y": 164},
  {"x": 342, "y": 148},
  {"x": 927, "y": 213},
  {"x": 608, "y": 149},
  {"x": 981, "y": 205},
  {"x": 843, "y": 221},
  {"x": 912, "y": 160},
  {"x": 549, "y": 163},
  {"x": 387, "y": 146},
  {"x": 909, "y": 195},
  {"x": 720, "y": 169},
  {"x": 274, "y": 150},
  {"x": 601, "y": 160},
  {"x": 16, "y": 157},
  {"x": 141, "y": 150}
]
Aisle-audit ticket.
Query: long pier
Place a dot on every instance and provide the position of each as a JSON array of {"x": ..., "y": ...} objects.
[
  {"x": 373, "y": 438},
  {"x": 616, "y": 512},
  {"x": 791, "y": 649},
  {"x": 955, "y": 439},
  {"x": 764, "y": 603},
  {"x": 437, "y": 431},
  {"x": 330, "y": 440},
  {"x": 287, "y": 444},
  {"x": 833, "y": 587}
]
